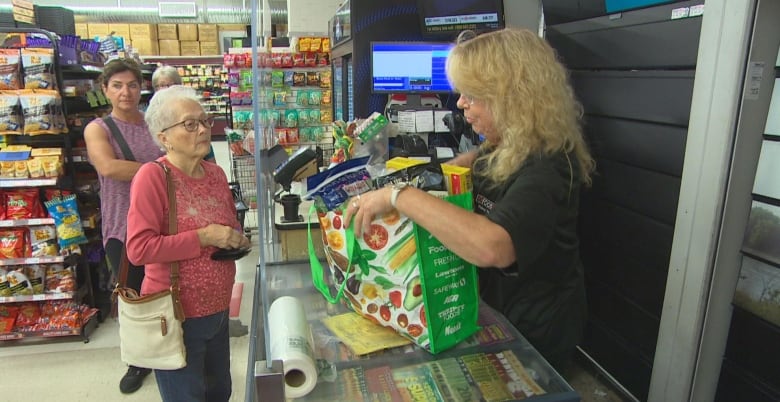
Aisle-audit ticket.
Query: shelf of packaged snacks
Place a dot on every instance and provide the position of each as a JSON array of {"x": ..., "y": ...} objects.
[
  {"x": 84, "y": 331},
  {"x": 6, "y": 223},
  {"x": 4, "y": 262},
  {"x": 43, "y": 297},
  {"x": 11, "y": 183}
]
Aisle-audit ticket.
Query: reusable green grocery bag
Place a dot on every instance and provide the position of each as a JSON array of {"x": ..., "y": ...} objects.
[{"x": 400, "y": 276}]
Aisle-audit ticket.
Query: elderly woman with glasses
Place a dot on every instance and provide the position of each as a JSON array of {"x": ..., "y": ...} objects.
[
  {"x": 167, "y": 76},
  {"x": 527, "y": 177},
  {"x": 206, "y": 220}
]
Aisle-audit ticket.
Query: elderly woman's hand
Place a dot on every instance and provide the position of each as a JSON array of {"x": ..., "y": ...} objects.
[
  {"x": 365, "y": 207},
  {"x": 222, "y": 236}
]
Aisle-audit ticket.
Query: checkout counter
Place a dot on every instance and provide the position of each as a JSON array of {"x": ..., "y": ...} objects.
[{"x": 495, "y": 364}]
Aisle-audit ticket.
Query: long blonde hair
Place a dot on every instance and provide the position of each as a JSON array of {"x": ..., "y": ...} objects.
[{"x": 525, "y": 87}]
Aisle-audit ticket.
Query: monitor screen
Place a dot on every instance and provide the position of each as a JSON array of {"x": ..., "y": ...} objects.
[
  {"x": 409, "y": 67},
  {"x": 450, "y": 17}
]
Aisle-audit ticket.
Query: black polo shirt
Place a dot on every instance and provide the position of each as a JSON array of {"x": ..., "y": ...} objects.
[{"x": 543, "y": 292}]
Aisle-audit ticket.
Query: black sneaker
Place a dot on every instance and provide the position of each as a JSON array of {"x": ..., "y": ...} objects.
[{"x": 133, "y": 379}]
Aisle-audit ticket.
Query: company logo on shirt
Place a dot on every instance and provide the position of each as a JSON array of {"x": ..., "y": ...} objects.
[{"x": 483, "y": 205}]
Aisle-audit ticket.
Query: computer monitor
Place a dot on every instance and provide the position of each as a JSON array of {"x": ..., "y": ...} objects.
[{"x": 411, "y": 68}]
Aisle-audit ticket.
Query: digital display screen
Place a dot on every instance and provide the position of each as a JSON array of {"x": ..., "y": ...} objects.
[
  {"x": 409, "y": 67},
  {"x": 439, "y": 17}
]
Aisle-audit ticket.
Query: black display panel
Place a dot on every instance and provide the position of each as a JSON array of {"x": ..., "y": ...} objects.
[
  {"x": 409, "y": 67},
  {"x": 450, "y": 17}
]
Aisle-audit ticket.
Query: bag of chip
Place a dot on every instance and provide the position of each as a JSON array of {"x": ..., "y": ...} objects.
[
  {"x": 66, "y": 216},
  {"x": 36, "y": 274},
  {"x": 19, "y": 283},
  {"x": 23, "y": 204},
  {"x": 7, "y": 318},
  {"x": 43, "y": 241},
  {"x": 12, "y": 243},
  {"x": 9, "y": 69},
  {"x": 39, "y": 72},
  {"x": 11, "y": 118},
  {"x": 59, "y": 279}
]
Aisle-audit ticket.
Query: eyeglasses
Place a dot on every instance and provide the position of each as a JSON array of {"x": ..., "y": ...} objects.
[
  {"x": 469, "y": 99},
  {"x": 192, "y": 125}
]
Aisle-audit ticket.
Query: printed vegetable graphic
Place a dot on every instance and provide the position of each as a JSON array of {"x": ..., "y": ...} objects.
[
  {"x": 395, "y": 298},
  {"x": 376, "y": 237},
  {"x": 413, "y": 294},
  {"x": 402, "y": 252}
]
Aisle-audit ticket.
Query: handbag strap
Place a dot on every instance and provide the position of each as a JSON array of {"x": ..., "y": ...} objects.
[
  {"x": 124, "y": 264},
  {"x": 172, "y": 229},
  {"x": 120, "y": 140}
]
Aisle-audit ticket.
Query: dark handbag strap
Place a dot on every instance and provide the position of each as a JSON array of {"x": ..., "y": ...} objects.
[
  {"x": 172, "y": 229},
  {"x": 120, "y": 140}
]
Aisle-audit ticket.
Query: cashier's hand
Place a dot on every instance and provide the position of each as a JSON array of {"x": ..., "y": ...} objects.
[
  {"x": 222, "y": 236},
  {"x": 365, "y": 207}
]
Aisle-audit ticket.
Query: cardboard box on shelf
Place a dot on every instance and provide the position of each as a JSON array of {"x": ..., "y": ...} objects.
[
  {"x": 169, "y": 47},
  {"x": 94, "y": 30},
  {"x": 188, "y": 32},
  {"x": 143, "y": 31},
  {"x": 122, "y": 30},
  {"x": 146, "y": 46},
  {"x": 167, "y": 31},
  {"x": 209, "y": 48},
  {"x": 190, "y": 48},
  {"x": 207, "y": 32},
  {"x": 82, "y": 31}
]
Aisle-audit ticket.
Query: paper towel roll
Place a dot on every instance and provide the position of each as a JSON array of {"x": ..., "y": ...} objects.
[{"x": 291, "y": 342}]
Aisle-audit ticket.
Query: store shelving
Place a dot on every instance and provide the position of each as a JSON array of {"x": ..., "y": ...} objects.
[{"x": 75, "y": 286}]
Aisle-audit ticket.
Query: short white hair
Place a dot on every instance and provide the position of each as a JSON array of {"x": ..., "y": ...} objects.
[
  {"x": 159, "y": 114},
  {"x": 169, "y": 72}
]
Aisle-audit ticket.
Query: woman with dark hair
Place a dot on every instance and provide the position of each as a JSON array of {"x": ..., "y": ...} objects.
[
  {"x": 116, "y": 165},
  {"x": 527, "y": 177}
]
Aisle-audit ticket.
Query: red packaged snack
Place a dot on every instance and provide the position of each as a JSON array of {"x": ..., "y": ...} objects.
[
  {"x": 7, "y": 318},
  {"x": 287, "y": 60},
  {"x": 23, "y": 204},
  {"x": 12, "y": 244},
  {"x": 298, "y": 60},
  {"x": 51, "y": 193},
  {"x": 229, "y": 60},
  {"x": 292, "y": 135},
  {"x": 310, "y": 60},
  {"x": 28, "y": 315}
]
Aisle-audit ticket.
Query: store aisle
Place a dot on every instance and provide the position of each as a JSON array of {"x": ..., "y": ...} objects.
[{"x": 73, "y": 371}]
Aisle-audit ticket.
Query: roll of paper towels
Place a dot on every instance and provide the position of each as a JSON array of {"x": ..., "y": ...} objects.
[{"x": 291, "y": 342}]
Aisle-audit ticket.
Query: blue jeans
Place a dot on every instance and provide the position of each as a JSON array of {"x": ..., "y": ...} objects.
[{"x": 207, "y": 375}]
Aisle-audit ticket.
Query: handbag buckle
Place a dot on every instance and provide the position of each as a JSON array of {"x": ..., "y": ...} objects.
[{"x": 163, "y": 325}]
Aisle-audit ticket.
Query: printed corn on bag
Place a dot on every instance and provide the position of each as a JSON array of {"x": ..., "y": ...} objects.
[{"x": 399, "y": 276}]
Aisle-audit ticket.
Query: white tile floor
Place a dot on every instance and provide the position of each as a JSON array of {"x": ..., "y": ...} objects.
[{"x": 73, "y": 371}]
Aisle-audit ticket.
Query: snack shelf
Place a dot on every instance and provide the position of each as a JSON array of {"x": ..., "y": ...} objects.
[
  {"x": 26, "y": 222},
  {"x": 10, "y": 183},
  {"x": 86, "y": 328},
  {"x": 43, "y": 297},
  {"x": 31, "y": 260}
]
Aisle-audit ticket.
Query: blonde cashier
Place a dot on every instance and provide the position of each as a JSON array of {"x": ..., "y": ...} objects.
[{"x": 527, "y": 177}]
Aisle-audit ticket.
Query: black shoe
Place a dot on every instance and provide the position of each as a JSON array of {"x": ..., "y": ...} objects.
[{"x": 133, "y": 379}]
